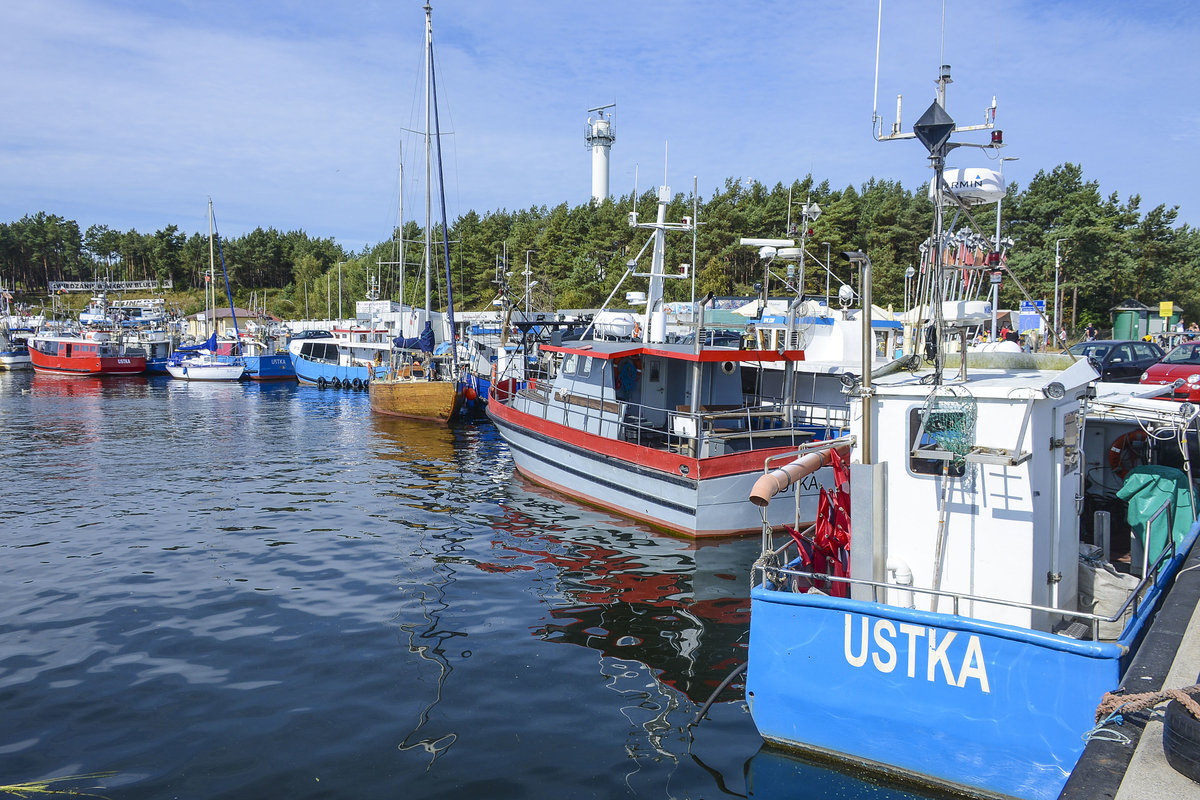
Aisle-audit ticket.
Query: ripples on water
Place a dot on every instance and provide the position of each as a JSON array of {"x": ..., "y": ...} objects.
[{"x": 241, "y": 591}]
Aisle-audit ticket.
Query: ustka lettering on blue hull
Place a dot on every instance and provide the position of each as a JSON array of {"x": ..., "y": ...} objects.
[{"x": 931, "y": 653}]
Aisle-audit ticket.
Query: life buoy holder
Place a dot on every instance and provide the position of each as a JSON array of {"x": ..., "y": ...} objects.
[{"x": 1124, "y": 455}]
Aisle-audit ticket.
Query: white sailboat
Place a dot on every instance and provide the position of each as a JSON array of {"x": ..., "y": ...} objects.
[{"x": 201, "y": 362}]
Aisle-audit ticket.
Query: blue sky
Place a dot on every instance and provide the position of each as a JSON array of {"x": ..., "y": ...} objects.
[{"x": 293, "y": 114}]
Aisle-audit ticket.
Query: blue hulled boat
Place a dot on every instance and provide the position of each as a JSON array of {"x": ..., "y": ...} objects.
[
  {"x": 954, "y": 615},
  {"x": 343, "y": 358}
]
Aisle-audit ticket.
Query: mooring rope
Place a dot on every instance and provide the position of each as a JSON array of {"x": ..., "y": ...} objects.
[{"x": 1113, "y": 702}]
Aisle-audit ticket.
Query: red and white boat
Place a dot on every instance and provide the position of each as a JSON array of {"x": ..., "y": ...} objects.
[
  {"x": 670, "y": 433},
  {"x": 88, "y": 353}
]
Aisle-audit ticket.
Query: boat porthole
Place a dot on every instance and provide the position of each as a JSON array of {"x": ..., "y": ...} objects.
[
  {"x": 728, "y": 367},
  {"x": 683, "y": 469}
]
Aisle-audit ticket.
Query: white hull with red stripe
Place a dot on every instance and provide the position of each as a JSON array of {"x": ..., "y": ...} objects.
[{"x": 615, "y": 428}]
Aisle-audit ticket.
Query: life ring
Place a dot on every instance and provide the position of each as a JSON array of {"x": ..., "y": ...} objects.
[
  {"x": 1123, "y": 455},
  {"x": 637, "y": 330},
  {"x": 626, "y": 372}
]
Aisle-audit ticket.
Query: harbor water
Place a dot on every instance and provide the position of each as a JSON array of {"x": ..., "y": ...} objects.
[{"x": 244, "y": 590}]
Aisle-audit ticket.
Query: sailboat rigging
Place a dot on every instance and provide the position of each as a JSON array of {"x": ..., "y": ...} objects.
[
  {"x": 422, "y": 383},
  {"x": 201, "y": 362}
]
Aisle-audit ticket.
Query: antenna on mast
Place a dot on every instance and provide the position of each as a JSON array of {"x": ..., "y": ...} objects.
[{"x": 943, "y": 79}]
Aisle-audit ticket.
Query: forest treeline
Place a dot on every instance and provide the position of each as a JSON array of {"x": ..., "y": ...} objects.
[{"x": 1109, "y": 249}]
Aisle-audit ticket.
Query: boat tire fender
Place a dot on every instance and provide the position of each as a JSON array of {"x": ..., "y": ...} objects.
[
  {"x": 337, "y": 383},
  {"x": 322, "y": 383},
  {"x": 1181, "y": 740},
  {"x": 357, "y": 383}
]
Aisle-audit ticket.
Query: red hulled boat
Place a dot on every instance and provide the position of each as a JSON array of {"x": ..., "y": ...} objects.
[{"x": 90, "y": 353}]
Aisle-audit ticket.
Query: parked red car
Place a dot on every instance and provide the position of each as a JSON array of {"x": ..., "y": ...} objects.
[{"x": 1182, "y": 362}]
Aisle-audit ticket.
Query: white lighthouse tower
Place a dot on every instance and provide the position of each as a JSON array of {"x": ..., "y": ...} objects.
[{"x": 599, "y": 139}]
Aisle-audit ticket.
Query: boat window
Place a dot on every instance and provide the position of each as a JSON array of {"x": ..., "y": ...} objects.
[
  {"x": 568, "y": 367},
  {"x": 928, "y": 466},
  {"x": 585, "y": 366}
]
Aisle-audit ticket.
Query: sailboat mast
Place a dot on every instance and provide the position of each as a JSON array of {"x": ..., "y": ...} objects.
[
  {"x": 212, "y": 278},
  {"x": 428, "y": 153},
  {"x": 400, "y": 215}
]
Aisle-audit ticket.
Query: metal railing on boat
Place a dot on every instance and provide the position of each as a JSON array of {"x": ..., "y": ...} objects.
[{"x": 771, "y": 570}]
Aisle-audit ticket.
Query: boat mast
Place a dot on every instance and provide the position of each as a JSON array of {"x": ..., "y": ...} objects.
[
  {"x": 400, "y": 215},
  {"x": 428, "y": 154},
  {"x": 212, "y": 278},
  {"x": 437, "y": 128}
]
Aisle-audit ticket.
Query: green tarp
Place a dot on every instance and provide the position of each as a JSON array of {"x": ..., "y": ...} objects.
[{"x": 1146, "y": 489}]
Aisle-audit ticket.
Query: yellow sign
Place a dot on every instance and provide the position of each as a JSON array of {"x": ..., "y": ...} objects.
[{"x": 1166, "y": 309}]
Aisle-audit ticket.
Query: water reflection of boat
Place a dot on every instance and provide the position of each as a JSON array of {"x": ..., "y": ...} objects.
[
  {"x": 680, "y": 608},
  {"x": 412, "y": 440},
  {"x": 50, "y": 384},
  {"x": 774, "y": 774}
]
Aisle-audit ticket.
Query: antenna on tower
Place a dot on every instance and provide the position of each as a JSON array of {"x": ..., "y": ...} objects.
[{"x": 599, "y": 139}]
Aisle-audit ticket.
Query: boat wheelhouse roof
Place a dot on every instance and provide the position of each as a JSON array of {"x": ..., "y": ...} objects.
[{"x": 680, "y": 352}]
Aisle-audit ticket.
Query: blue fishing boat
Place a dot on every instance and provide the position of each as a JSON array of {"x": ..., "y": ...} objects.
[
  {"x": 344, "y": 358},
  {"x": 264, "y": 352},
  {"x": 953, "y": 616}
]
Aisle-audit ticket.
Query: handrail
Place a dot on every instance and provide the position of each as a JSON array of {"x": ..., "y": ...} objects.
[{"x": 1168, "y": 553}]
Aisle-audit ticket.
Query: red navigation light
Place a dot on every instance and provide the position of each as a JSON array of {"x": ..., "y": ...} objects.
[{"x": 997, "y": 137}]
